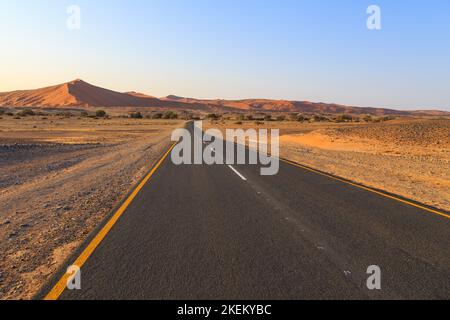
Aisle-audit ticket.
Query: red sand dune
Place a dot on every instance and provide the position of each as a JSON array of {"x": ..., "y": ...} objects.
[
  {"x": 78, "y": 93},
  {"x": 140, "y": 95}
]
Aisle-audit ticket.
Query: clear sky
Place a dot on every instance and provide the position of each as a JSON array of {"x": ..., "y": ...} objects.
[{"x": 318, "y": 50}]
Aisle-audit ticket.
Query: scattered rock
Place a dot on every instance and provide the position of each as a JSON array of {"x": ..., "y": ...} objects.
[{"x": 13, "y": 234}]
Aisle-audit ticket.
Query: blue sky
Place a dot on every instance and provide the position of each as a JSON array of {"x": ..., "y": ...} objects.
[{"x": 318, "y": 50}]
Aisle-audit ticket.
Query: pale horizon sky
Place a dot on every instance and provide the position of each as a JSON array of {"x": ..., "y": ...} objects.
[{"x": 315, "y": 50}]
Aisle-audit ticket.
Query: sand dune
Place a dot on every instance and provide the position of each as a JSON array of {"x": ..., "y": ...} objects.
[{"x": 78, "y": 93}]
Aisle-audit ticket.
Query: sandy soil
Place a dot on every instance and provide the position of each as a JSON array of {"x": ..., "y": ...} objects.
[
  {"x": 408, "y": 157},
  {"x": 58, "y": 179}
]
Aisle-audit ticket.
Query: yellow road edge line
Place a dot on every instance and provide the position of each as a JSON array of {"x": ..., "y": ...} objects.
[
  {"x": 60, "y": 286},
  {"x": 367, "y": 189}
]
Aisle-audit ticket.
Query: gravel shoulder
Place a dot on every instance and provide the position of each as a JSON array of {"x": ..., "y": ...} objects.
[{"x": 55, "y": 191}]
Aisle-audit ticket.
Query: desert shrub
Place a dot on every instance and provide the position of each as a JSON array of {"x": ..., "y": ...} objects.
[
  {"x": 267, "y": 117},
  {"x": 241, "y": 117},
  {"x": 344, "y": 118},
  {"x": 9, "y": 114},
  {"x": 302, "y": 118},
  {"x": 281, "y": 118},
  {"x": 136, "y": 115},
  {"x": 367, "y": 118},
  {"x": 387, "y": 118},
  {"x": 238, "y": 122},
  {"x": 170, "y": 115},
  {"x": 158, "y": 115},
  {"x": 100, "y": 113},
  {"x": 377, "y": 120},
  {"x": 17, "y": 117},
  {"x": 213, "y": 116},
  {"x": 2, "y": 112},
  {"x": 249, "y": 117},
  {"x": 66, "y": 114},
  {"x": 84, "y": 114},
  {"x": 26, "y": 112},
  {"x": 259, "y": 123},
  {"x": 319, "y": 118}
]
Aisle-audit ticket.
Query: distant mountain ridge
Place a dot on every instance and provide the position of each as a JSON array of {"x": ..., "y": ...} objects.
[
  {"x": 267, "y": 105},
  {"x": 79, "y": 93}
]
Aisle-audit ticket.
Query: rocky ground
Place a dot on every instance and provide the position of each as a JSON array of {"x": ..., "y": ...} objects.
[{"x": 58, "y": 180}]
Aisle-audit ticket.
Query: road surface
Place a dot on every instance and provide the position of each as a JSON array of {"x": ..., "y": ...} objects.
[{"x": 220, "y": 232}]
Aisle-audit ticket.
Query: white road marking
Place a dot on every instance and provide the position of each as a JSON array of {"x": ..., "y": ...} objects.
[{"x": 237, "y": 172}]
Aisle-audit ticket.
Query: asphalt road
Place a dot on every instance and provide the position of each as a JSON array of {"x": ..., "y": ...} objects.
[{"x": 202, "y": 232}]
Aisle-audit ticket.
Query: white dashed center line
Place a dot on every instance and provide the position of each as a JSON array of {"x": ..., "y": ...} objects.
[{"x": 237, "y": 172}]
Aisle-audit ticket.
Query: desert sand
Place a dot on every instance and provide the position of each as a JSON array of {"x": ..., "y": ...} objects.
[{"x": 59, "y": 178}]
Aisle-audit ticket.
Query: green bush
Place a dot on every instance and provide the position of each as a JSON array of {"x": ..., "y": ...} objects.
[
  {"x": 65, "y": 114},
  {"x": 213, "y": 116},
  {"x": 170, "y": 115},
  {"x": 367, "y": 118},
  {"x": 344, "y": 118},
  {"x": 302, "y": 118},
  {"x": 26, "y": 112},
  {"x": 136, "y": 115},
  {"x": 100, "y": 113},
  {"x": 319, "y": 118}
]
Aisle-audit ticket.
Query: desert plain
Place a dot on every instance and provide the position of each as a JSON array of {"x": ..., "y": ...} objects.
[{"x": 61, "y": 176}]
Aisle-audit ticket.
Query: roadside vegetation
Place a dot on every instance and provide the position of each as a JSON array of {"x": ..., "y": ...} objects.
[
  {"x": 237, "y": 118},
  {"x": 261, "y": 118}
]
